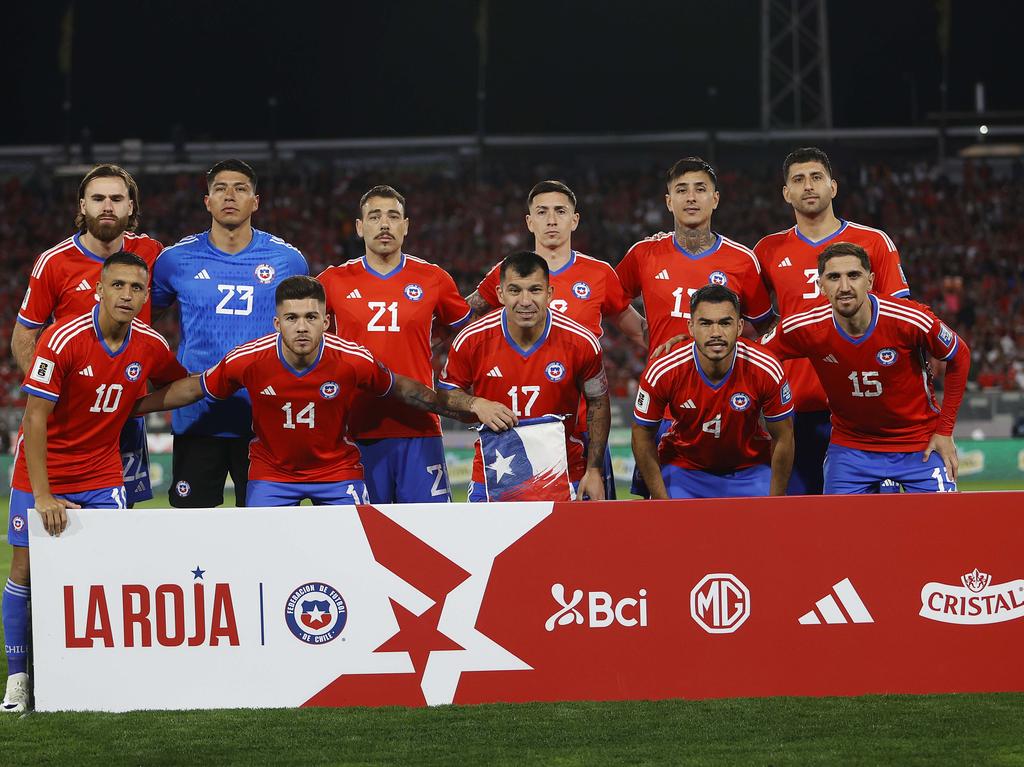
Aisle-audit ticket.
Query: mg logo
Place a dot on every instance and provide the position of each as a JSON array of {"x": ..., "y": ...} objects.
[
  {"x": 720, "y": 603},
  {"x": 601, "y": 609}
]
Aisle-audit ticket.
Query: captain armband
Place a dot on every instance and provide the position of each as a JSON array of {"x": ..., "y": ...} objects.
[{"x": 596, "y": 386}]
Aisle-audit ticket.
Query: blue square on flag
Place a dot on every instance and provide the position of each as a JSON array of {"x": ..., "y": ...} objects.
[{"x": 527, "y": 462}]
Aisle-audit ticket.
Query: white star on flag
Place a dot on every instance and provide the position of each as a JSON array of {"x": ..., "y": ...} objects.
[{"x": 501, "y": 465}]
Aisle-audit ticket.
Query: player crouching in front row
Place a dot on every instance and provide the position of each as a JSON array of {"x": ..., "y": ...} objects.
[
  {"x": 717, "y": 387},
  {"x": 302, "y": 381}
]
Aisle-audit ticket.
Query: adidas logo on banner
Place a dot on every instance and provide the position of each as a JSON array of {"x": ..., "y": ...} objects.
[
  {"x": 86, "y": 371},
  {"x": 269, "y": 391},
  {"x": 830, "y": 358},
  {"x": 83, "y": 285},
  {"x": 494, "y": 373},
  {"x": 785, "y": 262},
  {"x": 829, "y": 609},
  {"x": 203, "y": 275},
  {"x": 662, "y": 275},
  {"x": 689, "y": 405},
  {"x": 354, "y": 294}
]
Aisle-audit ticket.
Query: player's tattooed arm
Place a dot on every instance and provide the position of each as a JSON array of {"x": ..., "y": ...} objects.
[
  {"x": 783, "y": 450},
  {"x": 478, "y": 304},
  {"x": 23, "y": 346},
  {"x": 176, "y": 394},
  {"x": 493, "y": 415},
  {"x": 598, "y": 425},
  {"x": 646, "y": 454},
  {"x": 634, "y": 326},
  {"x": 52, "y": 510}
]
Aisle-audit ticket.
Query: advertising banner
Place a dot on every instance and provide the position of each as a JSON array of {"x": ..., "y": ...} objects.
[{"x": 415, "y": 605}]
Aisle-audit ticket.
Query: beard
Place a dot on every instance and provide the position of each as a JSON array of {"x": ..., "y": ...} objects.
[{"x": 106, "y": 231}]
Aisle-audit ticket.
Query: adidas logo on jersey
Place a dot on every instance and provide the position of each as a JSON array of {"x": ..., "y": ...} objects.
[
  {"x": 689, "y": 405},
  {"x": 86, "y": 371},
  {"x": 785, "y": 262},
  {"x": 662, "y": 275},
  {"x": 202, "y": 275},
  {"x": 494, "y": 373},
  {"x": 830, "y": 358},
  {"x": 269, "y": 391},
  {"x": 354, "y": 294},
  {"x": 828, "y": 608},
  {"x": 83, "y": 285}
]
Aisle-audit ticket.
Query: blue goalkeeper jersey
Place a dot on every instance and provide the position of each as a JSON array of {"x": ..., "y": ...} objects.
[{"x": 225, "y": 300}]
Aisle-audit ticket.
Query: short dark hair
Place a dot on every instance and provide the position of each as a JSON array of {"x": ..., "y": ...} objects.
[
  {"x": 125, "y": 258},
  {"x": 383, "y": 190},
  {"x": 550, "y": 186},
  {"x": 524, "y": 263},
  {"x": 109, "y": 170},
  {"x": 297, "y": 288},
  {"x": 691, "y": 165},
  {"x": 238, "y": 166},
  {"x": 714, "y": 294},
  {"x": 838, "y": 249},
  {"x": 805, "y": 154}
]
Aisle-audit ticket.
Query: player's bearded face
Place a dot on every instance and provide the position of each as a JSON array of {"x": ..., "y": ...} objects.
[
  {"x": 106, "y": 208},
  {"x": 715, "y": 328},
  {"x": 525, "y": 298},
  {"x": 106, "y": 227},
  {"x": 808, "y": 188},
  {"x": 845, "y": 283},
  {"x": 301, "y": 323}
]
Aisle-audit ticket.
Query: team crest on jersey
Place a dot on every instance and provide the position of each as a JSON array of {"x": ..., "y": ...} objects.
[
  {"x": 739, "y": 401},
  {"x": 265, "y": 273},
  {"x": 787, "y": 393},
  {"x": 133, "y": 371},
  {"x": 581, "y": 290},
  {"x": 413, "y": 292},
  {"x": 329, "y": 389},
  {"x": 183, "y": 489},
  {"x": 315, "y": 613},
  {"x": 718, "y": 278},
  {"x": 945, "y": 334},
  {"x": 886, "y": 356},
  {"x": 555, "y": 372}
]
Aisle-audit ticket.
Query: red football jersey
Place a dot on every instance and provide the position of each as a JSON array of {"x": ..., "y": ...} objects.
[
  {"x": 392, "y": 315},
  {"x": 95, "y": 389},
  {"x": 547, "y": 379},
  {"x": 789, "y": 266},
  {"x": 585, "y": 289},
  {"x": 666, "y": 276},
  {"x": 300, "y": 418},
  {"x": 879, "y": 393},
  {"x": 63, "y": 280},
  {"x": 717, "y": 427}
]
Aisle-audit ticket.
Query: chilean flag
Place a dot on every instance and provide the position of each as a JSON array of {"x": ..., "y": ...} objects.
[{"x": 527, "y": 462}]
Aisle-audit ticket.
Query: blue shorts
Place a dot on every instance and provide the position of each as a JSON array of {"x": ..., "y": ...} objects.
[
  {"x": 638, "y": 486},
  {"x": 349, "y": 492},
  {"x": 751, "y": 482},
  {"x": 21, "y": 502},
  {"x": 849, "y": 471},
  {"x": 478, "y": 493},
  {"x": 811, "y": 433},
  {"x": 135, "y": 461},
  {"x": 405, "y": 470}
]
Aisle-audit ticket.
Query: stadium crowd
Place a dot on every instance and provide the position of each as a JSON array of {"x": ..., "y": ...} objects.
[{"x": 958, "y": 237}]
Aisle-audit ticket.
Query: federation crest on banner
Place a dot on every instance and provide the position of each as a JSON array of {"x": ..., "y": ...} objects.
[
  {"x": 526, "y": 463},
  {"x": 315, "y": 613}
]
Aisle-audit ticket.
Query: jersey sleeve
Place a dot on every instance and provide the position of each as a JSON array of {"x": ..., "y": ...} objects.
[
  {"x": 46, "y": 375},
  {"x": 615, "y": 299},
  {"x": 889, "y": 277},
  {"x": 299, "y": 265},
  {"x": 452, "y": 308},
  {"x": 756, "y": 303},
  {"x": 166, "y": 367},
  {"x": 373, "y": 376},
  {"x": 224, "y": 378},
  {"x": 164, "y": 293},
  {"x": 488, "y": 287},
  {"x": 761, "y": 253},
  {"x": 40, "y": 297},
  {"x": 940, "y": 339},
  {"x": 629, "y": 272},
  {"x": 651, "y": 398},
  {"x": 457, "y": 372},
  {"x": 782, "y": 345},
  {"x": 777, "y": 400}
]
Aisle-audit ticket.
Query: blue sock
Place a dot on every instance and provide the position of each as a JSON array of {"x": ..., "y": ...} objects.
[{"x": 15, "y": 613}]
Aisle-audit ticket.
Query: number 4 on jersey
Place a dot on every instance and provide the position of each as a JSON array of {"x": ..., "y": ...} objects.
[{"x": 714, "y": 426}]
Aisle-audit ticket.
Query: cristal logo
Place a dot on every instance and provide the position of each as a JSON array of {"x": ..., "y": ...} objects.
[
  {"x": 601, "y": 609},
  {"x": 720, "y": 603},
  {"x": 977, "y": 601}
]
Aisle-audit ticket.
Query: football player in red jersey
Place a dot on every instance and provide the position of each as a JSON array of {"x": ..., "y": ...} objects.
[
  {"x": 304, "y": 384},
  {"x": 868, "y": 352},
  {"x": 83, "y": 380},
  {"x": 717, "y": 388},
  {"x": 789, "y": 266},
  {"x": 387, "y": 301},
  {"x": 539, "y": 362}
]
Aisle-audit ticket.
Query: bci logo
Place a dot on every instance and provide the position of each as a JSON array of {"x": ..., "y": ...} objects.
[{"x": 601, "y": 609}]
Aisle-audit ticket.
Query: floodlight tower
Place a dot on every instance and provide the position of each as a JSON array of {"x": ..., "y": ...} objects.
[{"x": 796, "y": 87}]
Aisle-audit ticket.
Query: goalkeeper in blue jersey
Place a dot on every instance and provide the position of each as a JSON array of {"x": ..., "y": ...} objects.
[{"x": 224, "y": 281}]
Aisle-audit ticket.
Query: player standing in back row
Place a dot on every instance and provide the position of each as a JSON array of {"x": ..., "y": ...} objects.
[
  {"x": 789, "y": 266},
  {"x": 223, "y": 280},
  {"x": 386, "y": 301}
]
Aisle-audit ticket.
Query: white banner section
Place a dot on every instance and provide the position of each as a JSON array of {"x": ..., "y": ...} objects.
[{"x": 224, "y": 608}]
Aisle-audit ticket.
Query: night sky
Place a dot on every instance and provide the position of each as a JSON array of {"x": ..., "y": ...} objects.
[{"x": 408, "y": 69}]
